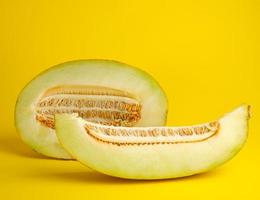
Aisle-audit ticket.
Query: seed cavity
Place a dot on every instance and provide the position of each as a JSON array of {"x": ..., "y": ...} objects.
[
  {"x": 122, "y": 136},
  {"x": 94, "y": 103}
]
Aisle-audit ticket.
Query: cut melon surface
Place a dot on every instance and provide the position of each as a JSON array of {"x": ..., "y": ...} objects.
[
  {"x": 153, "y": 152},
  {"x": 101, "y": 91}
]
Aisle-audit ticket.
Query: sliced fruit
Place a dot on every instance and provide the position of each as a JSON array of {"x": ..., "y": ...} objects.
[
  {"x": 153, "y": 152},
  {"x": 107, "y": 92}
]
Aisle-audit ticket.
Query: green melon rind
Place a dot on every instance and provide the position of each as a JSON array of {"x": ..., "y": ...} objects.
[
  {"x": 106, "y": 73},
  {"x": 156, "y": 161}
]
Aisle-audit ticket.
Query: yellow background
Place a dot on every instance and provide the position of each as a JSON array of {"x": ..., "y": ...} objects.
[{"x": 205, "y": 54}]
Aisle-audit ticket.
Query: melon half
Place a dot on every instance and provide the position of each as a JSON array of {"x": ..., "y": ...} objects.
[
  {"x": 153, "y": 152},
  {"x": 100, "y": 91}
]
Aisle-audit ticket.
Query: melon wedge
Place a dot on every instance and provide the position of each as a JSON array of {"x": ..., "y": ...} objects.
[
  {"x": 102, "y": 91},
  {"x": 153, "y": 152}
]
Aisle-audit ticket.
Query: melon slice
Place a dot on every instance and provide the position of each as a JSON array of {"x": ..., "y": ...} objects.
[
  {"x": 106, "y": 92},
  {"x": 153, "y": 152}
]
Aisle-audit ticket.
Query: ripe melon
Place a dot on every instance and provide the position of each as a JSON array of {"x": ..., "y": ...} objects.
[
  {"x": 153, "y": 152},
  {"x": 101, "y": 91}
]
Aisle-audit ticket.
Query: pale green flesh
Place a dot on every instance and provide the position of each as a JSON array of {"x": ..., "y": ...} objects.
[
  {"x": 100, "y": 73},
  {"x": 156, "y": 161}
]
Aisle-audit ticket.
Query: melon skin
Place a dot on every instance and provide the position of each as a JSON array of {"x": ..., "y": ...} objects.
[
  {"x": 160, "y": 161},
  {"x": 105, "y": 73}
]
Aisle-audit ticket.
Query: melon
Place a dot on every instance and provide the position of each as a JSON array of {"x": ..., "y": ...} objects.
[
  {"x": 101, "y": 91},
  {"x": 153, "y": 152}
]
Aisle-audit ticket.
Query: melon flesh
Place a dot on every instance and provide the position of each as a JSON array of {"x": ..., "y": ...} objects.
[
  {"x": 102, "y": 91},
  {"x": 153, "y": 152}
]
